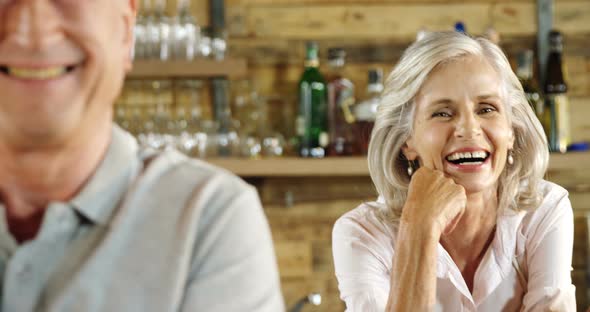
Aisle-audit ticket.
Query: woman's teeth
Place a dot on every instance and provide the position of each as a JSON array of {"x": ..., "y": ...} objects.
[
  {"x": 36, "y": 74},
  {"x": 468, "y": 158}
]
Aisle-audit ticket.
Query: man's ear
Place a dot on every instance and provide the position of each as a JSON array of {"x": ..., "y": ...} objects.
[
  {"x": 129, "y": 16},
  {"x": 409, "y": 150}
]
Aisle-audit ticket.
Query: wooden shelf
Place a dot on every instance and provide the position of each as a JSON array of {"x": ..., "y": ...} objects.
[
  {"x": 349, "y": 166},
  {"x": 294, "y": 167},
  {"x": 199, "y": 68}
]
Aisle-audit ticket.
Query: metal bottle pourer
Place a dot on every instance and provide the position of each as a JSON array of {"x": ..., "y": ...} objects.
[{"x": 313, "y": 299}]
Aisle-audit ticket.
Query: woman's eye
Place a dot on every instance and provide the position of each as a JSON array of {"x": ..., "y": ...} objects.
[
  {"x": 441, "y": 114},
  {"x": 487, "y": 110}
]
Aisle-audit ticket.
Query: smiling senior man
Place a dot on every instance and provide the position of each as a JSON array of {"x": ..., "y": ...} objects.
[{"x": 90, "y": 222}]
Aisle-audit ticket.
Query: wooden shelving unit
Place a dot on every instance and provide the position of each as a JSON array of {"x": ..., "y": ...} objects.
[
  {"x": 199, "y": 68},
  {"x": 349, "y": 166}
]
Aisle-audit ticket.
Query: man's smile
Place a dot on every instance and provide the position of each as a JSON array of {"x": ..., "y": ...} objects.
[{"x": 36, "y": 73}]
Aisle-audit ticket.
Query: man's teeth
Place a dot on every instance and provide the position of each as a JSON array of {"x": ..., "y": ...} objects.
[
  {"x": 38, "y": 74},
  {"x": 468, "y": 155}
]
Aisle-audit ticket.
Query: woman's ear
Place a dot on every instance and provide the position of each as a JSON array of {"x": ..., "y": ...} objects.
[
  {"x": 409, "y": 151},
  {"x": 511, "y": 139}
]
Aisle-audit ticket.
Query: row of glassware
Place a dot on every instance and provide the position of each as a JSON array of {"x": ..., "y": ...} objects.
[
  {"x": 160, "y": 37},
  {"x": 169, "y": 114}
]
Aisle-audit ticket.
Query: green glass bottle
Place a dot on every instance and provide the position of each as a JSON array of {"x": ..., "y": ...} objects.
[{"x": 311, "y": 124}]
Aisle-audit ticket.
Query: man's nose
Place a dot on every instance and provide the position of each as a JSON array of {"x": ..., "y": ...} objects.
[
  {"x": 468, "y": 125},
  {"x": 32, "y": 24}
]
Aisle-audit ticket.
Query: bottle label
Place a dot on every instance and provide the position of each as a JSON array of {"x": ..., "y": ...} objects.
[
  {"x": 311, "y": 63},
  {"x": 324, "y": 139},
  {"x": 346, "y": 104},
  {"x": 300, "y": 126},
  {"x": 559, "y": 131},
  {"x": 563, "y": 124}
]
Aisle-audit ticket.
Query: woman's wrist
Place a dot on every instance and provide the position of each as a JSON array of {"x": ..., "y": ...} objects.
[
  {"x": 424, "y": 226},
  {"x": 424, "y": 231}
]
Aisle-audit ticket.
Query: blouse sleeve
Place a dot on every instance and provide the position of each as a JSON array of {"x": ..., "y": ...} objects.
[
  {"x": 362, "y": 260},
  {"x": 549, "y": 258}
]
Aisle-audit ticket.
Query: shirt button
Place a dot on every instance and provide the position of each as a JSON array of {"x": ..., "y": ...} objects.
[{"x": 23, "y": 270}]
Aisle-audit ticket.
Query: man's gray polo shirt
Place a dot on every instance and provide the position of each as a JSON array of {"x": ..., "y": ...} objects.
[{"x": 157, "y": 232}]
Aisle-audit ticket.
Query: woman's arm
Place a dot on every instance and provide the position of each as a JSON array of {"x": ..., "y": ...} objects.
[
  {"x": 413, "y": 282},
  {"x": 435, "y": 204}
]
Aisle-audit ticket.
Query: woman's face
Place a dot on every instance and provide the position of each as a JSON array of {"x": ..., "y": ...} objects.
[{"x": 461, "y": 125}]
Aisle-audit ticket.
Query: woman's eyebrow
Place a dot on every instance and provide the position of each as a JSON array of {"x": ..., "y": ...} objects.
[
  {"x": 492, "y": 96},
  {"x": 443, "y": 101}
]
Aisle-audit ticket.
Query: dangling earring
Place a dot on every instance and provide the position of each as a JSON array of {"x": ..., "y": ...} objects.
[
  {"x": 410, "y": 168},
  {"x": 510, "y": 158}
]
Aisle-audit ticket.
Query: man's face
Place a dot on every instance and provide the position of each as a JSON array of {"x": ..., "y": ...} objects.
[{"x": 62, "y": 64}]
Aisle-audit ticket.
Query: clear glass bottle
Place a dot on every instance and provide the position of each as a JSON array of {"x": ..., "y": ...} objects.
[
  {"x": 340, "y": 102},
  {"x": 164, "y": 34},
  {"x": 366, "y": 111},
  {"x": 152, "y": 40},
  {"x": 140, "y": 34},
  {"x": 311, "y": 120},
  {"x": 187, "y": 33}
]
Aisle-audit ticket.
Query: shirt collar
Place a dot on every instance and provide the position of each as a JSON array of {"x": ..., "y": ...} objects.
[
  {"x": 99, "y": 197},
  {"x": 497, "y": 263}
]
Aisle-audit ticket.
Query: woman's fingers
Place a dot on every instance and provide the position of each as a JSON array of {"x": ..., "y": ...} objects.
[{"x": 436, "y": 198}]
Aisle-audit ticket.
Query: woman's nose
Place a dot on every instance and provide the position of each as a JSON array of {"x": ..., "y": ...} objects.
[{"x": 468, "y": 126}]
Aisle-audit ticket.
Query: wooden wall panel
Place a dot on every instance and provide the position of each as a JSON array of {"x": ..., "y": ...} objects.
[
  {"x": 294, "y": 258},
  {"x": 580, "y": 118},
  {"x": 572, "y": 17},
  {"x": 579, "y": 279},
  {"x": 376, "y": 21},
  {"x": 401, "y": 21},
  {"x": 426, "y": 2},
  {"x": 307, "y": 227},
  {"x": 580, "y": 255},
  {"x": 577, "y": 75},
  {"x": 339, "y": 2}
]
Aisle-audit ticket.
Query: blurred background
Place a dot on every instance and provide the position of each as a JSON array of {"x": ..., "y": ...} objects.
[{"x": 283, "y": 93}]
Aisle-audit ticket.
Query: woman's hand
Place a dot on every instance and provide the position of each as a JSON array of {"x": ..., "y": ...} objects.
[{"x": 434, "y": 201}]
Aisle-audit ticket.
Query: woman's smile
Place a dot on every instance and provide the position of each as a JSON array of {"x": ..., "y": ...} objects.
[{"x": 468, "y": 160}]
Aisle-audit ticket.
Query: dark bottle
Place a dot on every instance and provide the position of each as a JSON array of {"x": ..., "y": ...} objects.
[
  {"x": 366, "y": 111},
  {"x": 460, "y": 27},
  {"x": 556, "y": 102},
  {"x": 340, "y": 103},
  {"x": 524, "y": 71},
  {"x": 311, "y": 124}
]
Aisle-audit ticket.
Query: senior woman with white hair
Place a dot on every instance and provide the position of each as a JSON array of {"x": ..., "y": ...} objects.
[{"x": 464, "y": 221}]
